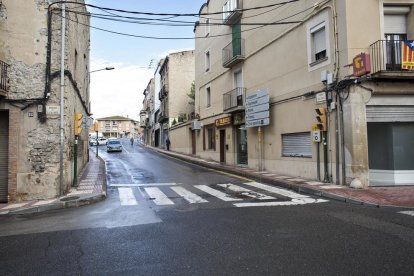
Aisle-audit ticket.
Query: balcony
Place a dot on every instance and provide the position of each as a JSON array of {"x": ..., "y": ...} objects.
[
  {"x": 163, "y": 92},
  {"x": 233, "y": 53},
  {"x": 234, "y": 100},
  {"x": 386, "y": 60},
  {"x": 163, "y": 116},
  {"x": 232, "y": 11},
  {"x": 4, "y": 81}
]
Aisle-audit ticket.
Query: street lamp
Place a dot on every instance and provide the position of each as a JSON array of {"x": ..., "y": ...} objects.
[{"x": 106, "y": 68}]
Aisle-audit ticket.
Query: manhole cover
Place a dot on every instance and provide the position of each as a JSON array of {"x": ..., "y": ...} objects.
[{"x": 69, "y": 198}]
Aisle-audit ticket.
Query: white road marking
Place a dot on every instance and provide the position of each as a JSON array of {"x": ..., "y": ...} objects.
[
  {"x": 410, "y": 213},
  {"x": 276, "y": 190},
  {"x": 246, "y": 192},
  {"x": 218, "y": 194},
  {"x": 187, "y": 195},
  {"x": 298, "y": 201},
  {"x": 143, "y": 185},
  {"x": 157, "y": 196},
  {"x": 126, "y": 196}
]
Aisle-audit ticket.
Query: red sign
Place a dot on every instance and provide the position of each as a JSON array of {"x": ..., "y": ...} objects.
[{"x": 361, "y": 65}]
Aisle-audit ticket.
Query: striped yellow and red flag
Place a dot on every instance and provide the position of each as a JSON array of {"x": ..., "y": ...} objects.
[{"x": 407, "y": 57}]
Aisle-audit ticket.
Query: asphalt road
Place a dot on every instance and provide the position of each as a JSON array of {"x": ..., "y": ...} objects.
[{"x": 167, "y": 217}]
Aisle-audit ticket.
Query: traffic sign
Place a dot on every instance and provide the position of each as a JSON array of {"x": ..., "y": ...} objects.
[
  {"x": 316, "y": 136},
  {"x": 257, "y": 108},
  {"x": 257, "y": 101},
  {"x": 258, "y": 94},
  {"x": 258, "y": 115},
  {"x": 257, "y": 123}
]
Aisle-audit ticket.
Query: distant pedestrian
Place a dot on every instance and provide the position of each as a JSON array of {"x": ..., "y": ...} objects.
[
  {"x": 132, "y": 141},
  {"x": 168, "y": 142}
]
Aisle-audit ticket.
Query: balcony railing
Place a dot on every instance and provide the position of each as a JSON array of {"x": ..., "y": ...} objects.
[
  {"x": 234, "y": 99},
  {"x": 233, "y": 53},
  {"x": 386, "y": 56},
  {"x": 232, "y": 11},
  {"x": 4, "y": 81}
]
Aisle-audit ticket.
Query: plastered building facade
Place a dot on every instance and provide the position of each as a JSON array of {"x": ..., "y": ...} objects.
[
  {"x": 302, "y": 59},
  {"x": 30, "y": 46}
]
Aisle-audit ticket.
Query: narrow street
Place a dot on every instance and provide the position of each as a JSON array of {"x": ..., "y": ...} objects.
[{"x": 167, "y": 217}]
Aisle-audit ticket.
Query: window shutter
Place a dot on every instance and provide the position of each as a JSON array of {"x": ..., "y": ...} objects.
[
  {"x": 395, "y": 24},
  {"x": 297, "y": 144},
  {"x": 319, "y": 40}
]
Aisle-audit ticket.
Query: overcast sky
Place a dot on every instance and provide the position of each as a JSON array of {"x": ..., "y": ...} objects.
[{"x": 120, "y": 91}]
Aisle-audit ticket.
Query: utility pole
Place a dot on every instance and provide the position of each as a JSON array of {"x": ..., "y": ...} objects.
[{"x": 62, "y": 96}]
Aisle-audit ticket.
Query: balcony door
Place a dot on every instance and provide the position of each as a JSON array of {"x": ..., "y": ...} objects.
[
  {"x": 238, "y": 84},
  {"x": 236, "y": 38},
  {"x": 395, "y": 31}
]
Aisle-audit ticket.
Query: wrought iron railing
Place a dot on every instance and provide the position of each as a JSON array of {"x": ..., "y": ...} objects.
[
  {"x": 4, "y": 83},
  {"x": 386, "y": 55},
  {"x": 233, "y": 52},
  {"x": 234, "y": 99}
]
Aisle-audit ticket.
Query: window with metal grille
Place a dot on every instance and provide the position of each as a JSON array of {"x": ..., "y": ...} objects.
[{"x": 297, "y": 144}]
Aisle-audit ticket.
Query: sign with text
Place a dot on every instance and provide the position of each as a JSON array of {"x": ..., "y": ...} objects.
[
  {"x": 257, "y": 109},
  {"x": 52, "y": 110},
  {"x": 361, "y": 65},
  {"x": 223, "y": 121}
]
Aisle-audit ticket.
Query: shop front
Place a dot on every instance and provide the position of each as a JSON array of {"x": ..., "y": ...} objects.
[{"x": 241, "y": 138}]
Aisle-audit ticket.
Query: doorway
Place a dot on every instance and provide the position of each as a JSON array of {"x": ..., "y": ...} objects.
[
  {"x": 193, "y": 142},
  {"x": 223, "y": 146},
  {"x": 242, "y": 145},
  {"x": 4, "y": 155}
]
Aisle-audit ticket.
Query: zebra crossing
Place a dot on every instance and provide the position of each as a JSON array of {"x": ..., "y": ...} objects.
[{"x": 250, "y": 194}]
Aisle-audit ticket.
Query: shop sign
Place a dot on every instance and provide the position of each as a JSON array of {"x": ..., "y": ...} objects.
[
  {"x": 361, "y": 65},
  {"x": 238, "y": 119},
  {"x": 223, "y": 121}
]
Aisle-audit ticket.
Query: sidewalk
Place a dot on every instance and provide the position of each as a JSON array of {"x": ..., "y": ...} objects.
[
  {"x": 398, "y": 196},
  {"x": 91, "y": 188}
]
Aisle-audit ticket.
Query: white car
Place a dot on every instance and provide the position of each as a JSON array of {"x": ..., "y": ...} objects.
[{"x": 101, "y": 141}]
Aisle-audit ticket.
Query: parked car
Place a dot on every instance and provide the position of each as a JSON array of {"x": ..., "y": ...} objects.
[
  {"x": 101, "y": 141},
  {"x": 113, "y": 145}
]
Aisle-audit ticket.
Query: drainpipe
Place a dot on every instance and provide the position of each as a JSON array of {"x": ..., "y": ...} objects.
[{"x": 62, "y": 94}]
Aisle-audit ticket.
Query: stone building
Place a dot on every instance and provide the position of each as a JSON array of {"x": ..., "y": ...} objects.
[
  {"x": 301, "y": 61},
  {"x": 35, "y": 163},
  {"x": 177, "y": 75},
  {"x": 118, "y": 127}
]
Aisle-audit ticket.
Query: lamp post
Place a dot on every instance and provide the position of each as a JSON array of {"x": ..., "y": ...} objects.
[
  {"x": 96, "y": 126},
  {"x": 106, "y": 68}
]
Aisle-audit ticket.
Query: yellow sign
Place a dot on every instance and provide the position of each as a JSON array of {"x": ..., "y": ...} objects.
[{"x": 223, "y": 121}]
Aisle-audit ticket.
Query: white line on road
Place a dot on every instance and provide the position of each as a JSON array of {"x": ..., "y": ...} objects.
[
  {"x": 218, "y": 194},
  {"x": 126, "y": 196},
  {"x": 281, "y": 203},
  {"x": 157, "y": 196},
  {"x": 246, "y": 192},
  {"x": 187, "y": 195},
  {"x": 276, "y": 190},
  {"x": 142, "y": 185},
  {"x": 410, "y": 213}
]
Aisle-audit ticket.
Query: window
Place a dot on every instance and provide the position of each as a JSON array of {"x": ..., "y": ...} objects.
[
  {"x": 207, "y": 26},
  {"x": 318, "y": 47},
  {"x": 208, "y": 97},
  {"x": 211, "y": 145},
  {"x": 207, "y": 61},
  {"x": 318, "y": 38},
  {"x": 297, "y": 144}
]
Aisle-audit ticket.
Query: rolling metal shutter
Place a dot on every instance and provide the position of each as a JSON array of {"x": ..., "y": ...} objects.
[
  {"x": 4, "y": 153},
  {"x": 297, "y": 144},
  {"x": 383, "y": 113}
]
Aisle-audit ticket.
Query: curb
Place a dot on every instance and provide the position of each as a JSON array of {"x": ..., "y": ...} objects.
[
  {"x": 280, "y": 183},
  {"x": 58, "y": 204}
]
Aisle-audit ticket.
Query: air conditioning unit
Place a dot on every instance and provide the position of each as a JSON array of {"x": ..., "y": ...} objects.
[{"x": 196, "y": 125}]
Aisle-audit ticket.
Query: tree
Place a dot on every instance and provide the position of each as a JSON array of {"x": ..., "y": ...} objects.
[{"x": 191, "y": 94}]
